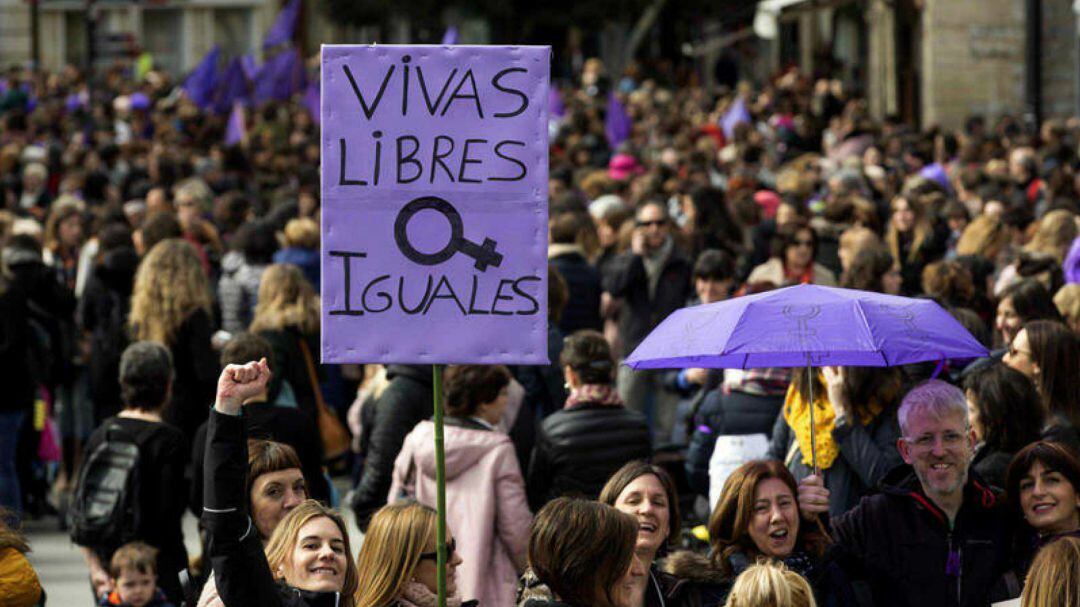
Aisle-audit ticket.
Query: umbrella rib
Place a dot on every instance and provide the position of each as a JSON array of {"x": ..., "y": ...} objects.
[{"x": 866, "y": 325}]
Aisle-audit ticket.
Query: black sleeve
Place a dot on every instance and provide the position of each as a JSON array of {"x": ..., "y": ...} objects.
[
  {"x": 309, "y": 449},
  {"x": 393, "y": 422},
  {"x": 781, "y": 441},
  {"x": 538, "y": 480},
  {"x": 198, "y": 450},
  {"x": 623, "y": 274},
  {"x": 241, "y": 572},
  {"x": 203, "y": 359}
]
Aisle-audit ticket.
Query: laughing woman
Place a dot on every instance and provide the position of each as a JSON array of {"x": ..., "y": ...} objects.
[{"x": 307, "y": 561}]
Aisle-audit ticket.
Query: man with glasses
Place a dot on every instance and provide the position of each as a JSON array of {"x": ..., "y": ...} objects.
[
  {"x": 653, "y": 280},
  {"x": 936, "y": 534}
]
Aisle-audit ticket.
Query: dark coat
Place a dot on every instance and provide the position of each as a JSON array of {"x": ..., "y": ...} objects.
[
  {"x": 103, "y": 313},
  {"x": 51, "y": 305},
  {"x": 290, "y": 366},
  {"x": 241, "y": 572},
  {"x": 583, "y": 283},
  {"x": 898, "y": 542},
  {"x": 404, "y": 403},
  {"x": 195, "y": 373},
  {"x": 735, "y": 413},
  {"x": 991, "y": 465},
  {"x": 641, "y": 312},
  {"x": 15, "y": 336},
  {"x": 867, "y": 454},
  {"x": 578, "y": 449}
]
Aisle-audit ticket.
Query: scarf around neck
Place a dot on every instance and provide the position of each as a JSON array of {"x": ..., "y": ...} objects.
[
  {"x": 797, "y": 416},
  {"x": 415, "y": 594},
  {"x": 603, "y": 395}
]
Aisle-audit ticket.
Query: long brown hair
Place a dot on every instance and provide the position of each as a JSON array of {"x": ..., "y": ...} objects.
[
  {"x": 582, "y": 549},
  {"x": 922, "y": 228},
  {"x": 635, "y": 470},
  {"x": 170, "y": 286},
  {"x": 1056, "y": 350},
  {"x": 1054, "y": 577},
  {"x": 286, "y": 299},
  {"x": 729, "y": 525},
  {"x": 282, "y": 542},
  {"x": 398, "y": 534}
]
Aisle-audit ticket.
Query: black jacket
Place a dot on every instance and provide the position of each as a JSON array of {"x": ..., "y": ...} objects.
[
  {"x": 282, "y": 424},
  {"x": 734, "y": 413},
  {"x": 289, "y": 365},
  {"x": 241, "y": 572},
  {"x": 991, "y": 464},
  {"x": 195, "y": 374},
  {"x": 103, "y": 313},
  {"x": 899, "y": 543},
  {"x": 15, "y": 338},
  {"x": 626, "y": 278},
  {"x": 404, "y": 403},
  {"x": 583, "y": 283},
  {"x": 578, "y": 449}
]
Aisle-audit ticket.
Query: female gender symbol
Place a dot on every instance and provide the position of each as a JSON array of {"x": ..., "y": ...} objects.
[{"x": 484, "y": 254}]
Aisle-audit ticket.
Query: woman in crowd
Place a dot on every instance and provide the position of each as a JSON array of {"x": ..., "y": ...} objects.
[
  {"x": 485, "y": 493},
  {"x": 583, "y": 552},
  {"x": 792, "y": 262},
  {"x": 301, "y": 248},
  {"x": 19, "y": 584},
  {"x": 758, "y": 519},
  {"x": 647, "y": 492},
  {"x": 912, "y": 240},
  {"x": 1021, "y": 303},
  {"x": 1006, "y": 414},
  {"x": 287, "y": 316},
  {"x": 872, "y": 269},
  {"x": 855, "y": 430},
  {"x": 1054, "y": 578},
  {"x": 1043, "y": 487},
  {"x": 307, "y": 561},
  {"x": 398, "y": 563},
  {"x": 242, "y": 269},
  {"x": 172, "y": 305},
  {"x": 275, "y": 485},
  {"x": 1048, "y": 353},
  {"x": 578, "y": 448},
  {"x": 770, "y": 585}
]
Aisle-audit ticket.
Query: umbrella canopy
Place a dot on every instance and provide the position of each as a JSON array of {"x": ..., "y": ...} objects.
[{"x": 806, "y": 325}]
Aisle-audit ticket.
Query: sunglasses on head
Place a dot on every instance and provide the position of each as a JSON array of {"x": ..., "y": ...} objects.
[{"x": 451, "y": 548}]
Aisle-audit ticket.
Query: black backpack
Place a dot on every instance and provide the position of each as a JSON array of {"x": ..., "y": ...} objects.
[{"x": 105, "y": 513}]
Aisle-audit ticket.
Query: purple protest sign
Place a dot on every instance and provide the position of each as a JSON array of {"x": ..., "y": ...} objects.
[{"x": 434, "y": 204}]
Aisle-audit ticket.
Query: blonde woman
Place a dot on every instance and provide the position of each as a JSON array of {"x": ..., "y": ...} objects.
[
  {"x": 1054, "y": 578},
  {"x": 301, "y": 248},
  {"x": 287, "y": 316},
  {"x": 171, "y": 304},
  {"x": 397, "y": 563},
  {"x": 770, "y": 585},
  {"x": 307, "y": 560}
]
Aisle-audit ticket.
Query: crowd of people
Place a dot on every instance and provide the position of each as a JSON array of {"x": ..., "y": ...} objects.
[{"x": 160, "y": 319}]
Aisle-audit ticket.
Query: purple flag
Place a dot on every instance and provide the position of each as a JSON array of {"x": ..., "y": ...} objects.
[
  {"x": 280, "y": 78},
  {"x": 236, "y": 128},
  {"x": 199, "y": 86},
  {"x": 1071, "y": 267},
  {"x": 251, "y": 68},
  {"x": 434, "y": 261},
  {"x": 450, "y": 36},
  {"x": 735, "y": 115},
  {"x": 555, "y": 103},
  {"x": 284, "y": 26},
  {"x": 232, "y": 88},
  {"x": 311, "y": 100},
  {"x": 617, "y": 123}
]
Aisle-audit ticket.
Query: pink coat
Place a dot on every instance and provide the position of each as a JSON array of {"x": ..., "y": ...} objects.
[{"x": 486, "y": 510}]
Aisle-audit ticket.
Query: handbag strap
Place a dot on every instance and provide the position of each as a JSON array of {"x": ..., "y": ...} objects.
[{"x": 312, "y": 377}]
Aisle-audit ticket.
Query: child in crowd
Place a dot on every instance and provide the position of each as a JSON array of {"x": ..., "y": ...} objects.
[{"x": 134, "y": 578}]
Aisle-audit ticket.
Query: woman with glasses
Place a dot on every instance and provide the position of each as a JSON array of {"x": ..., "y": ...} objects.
[
  {"x": 398, "y": 563},
  {"x": 1048, "y": 353},
  {"x": 792, "y": 263},
  {"x": 485, "y": 492}
]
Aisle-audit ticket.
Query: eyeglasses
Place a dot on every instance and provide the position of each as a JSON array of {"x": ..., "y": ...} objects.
[
  {"x": 451, "y": 548},
  {"x": 950, "y": 440},
  {"x": 646, "y": 224}
]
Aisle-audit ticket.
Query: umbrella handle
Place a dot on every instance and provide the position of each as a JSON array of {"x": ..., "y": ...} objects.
[{"x": 813, "y": 429}]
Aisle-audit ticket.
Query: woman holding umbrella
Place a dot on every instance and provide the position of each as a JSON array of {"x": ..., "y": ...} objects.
[{"x": 854, "y": 430}]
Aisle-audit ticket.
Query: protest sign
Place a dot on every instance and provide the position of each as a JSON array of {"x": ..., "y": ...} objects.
[{"x": 434, "y": 204}]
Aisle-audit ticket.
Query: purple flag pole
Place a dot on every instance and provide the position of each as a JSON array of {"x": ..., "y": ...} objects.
[
  {"x": 735, "y": 115},
  {"x": 199, "y": 86},
  {"x": 236, "y": 129},
  {"x": 284, "y": 26}
]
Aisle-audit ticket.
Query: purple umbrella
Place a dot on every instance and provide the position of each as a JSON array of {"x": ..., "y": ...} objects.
[{"x": 806, "y": 325}]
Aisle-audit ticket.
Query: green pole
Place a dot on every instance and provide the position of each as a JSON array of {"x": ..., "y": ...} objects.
[{"x": 440, "y": 485}]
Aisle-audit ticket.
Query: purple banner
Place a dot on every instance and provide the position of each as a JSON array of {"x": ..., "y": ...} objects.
[{"x": 434, "y": 204}]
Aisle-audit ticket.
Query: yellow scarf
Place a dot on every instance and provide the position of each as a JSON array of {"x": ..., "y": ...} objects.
[{"x": 797, "y": 416}]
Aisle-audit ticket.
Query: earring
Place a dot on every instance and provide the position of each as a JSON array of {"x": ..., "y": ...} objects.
[{"x": 566, "y": 386}]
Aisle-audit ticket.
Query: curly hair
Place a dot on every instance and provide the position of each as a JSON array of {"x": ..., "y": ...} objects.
[
  {"x": 169, "y": 287},
  {"x": 286, "y": 299}
]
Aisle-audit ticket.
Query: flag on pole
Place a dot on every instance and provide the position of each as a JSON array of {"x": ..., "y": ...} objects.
[
  {"x": 451, "y": 35},
  {"x": 284, "y": 26},
  {"x": 232, "y": 88},
  {"x": 735, "y": 115},
  {"x": 617, "y": 123},
  {"x": 251, "y": 68},
  {"x": 199, "y": 85},
  {"x": 236, "y": 128},
  {"x": 280, "y": 78}
]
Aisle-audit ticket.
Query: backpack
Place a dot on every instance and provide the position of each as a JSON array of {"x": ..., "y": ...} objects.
[{"x": 105, "y": 512}]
